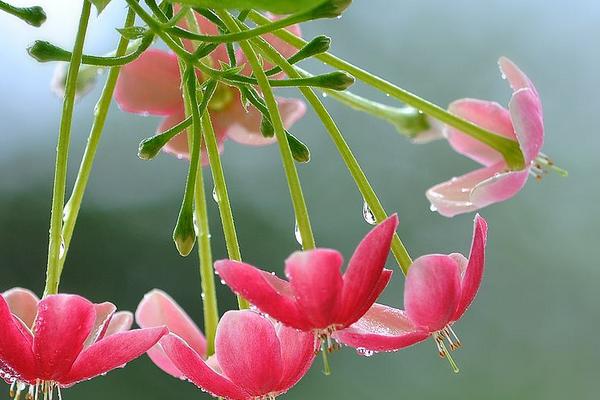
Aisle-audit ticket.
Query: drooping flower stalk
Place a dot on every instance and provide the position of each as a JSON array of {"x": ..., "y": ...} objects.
[
  {"x": 62, "y": 151},
  {"x": 72, "y": 207},
  {"x": 508, "y": 148},
  {"x": 291, "y": 173}
]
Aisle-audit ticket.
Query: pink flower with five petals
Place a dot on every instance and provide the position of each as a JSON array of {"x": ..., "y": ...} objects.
[
  {"x": 318, "y": 298},
  {"x": 151, "y": 85},
  {"x": 438, "y": 290},
  {"x": 523, "y": 122},
  {"x": 64, "y": 339},
  {"x": 254, "y": 357}
]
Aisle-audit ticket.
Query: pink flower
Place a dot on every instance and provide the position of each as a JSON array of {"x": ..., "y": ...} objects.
[
  {"x": 64, "y": 339},
  {"x": 438, "y": 290},
  {"x": 523, "y": 122},
  {"x": 318, "y": 298},
  {"x": 151, "y": 85},
  {"x": 254, "y": 358}
]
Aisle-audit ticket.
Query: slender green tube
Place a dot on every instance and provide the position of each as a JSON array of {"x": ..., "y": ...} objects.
[{"x": 62, "y": 154}]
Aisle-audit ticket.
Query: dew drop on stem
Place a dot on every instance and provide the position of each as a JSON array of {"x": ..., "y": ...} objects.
[
  {"x": 297, "y": 233},
  {"x": 368, "y": 214}
]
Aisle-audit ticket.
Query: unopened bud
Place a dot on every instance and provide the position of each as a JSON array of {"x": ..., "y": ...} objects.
[
  {"x": 300, "y": 151},
  {"x": 34, "y": 16},
  {"x": 337, "y": 80},
  {"x": 184, "y": 235},
  {"x": 330, "y": 9}
]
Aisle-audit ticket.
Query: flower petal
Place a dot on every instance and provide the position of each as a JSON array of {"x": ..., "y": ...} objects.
[
  {"x": 432, "y": 291},
  {"x": 157, "y": 309},
  {"x": 244, "y": 126},
  {"x": 499, "y": 187},
  {"x": 516, "y": 78},
  {"x": 268, "y": 293},
  {"x": 16, "y": 358},
  {"x": 150, "y": 84},
  {"x": 112, "y": 352},
  {"x": 382, "y": 328},
  {"x": 195, "y": 369},
  {"x": 249, "y": 351},
  {"x": 23, "y": 304},
  {"x": 120, "y": 322},
  {"x": 455, "y": 196},
  {"x": 297, "y": 355},
  {"x": 316, "y": 279},
  {"x": 62, "y": 325},
  {"x": 365, "y": 269},
  {"x": 487, "y": 114},
  {"x": 526, "y": 112},
  {"x": 381, "y": 284},
  {"x": 474, "y": 272},
  {"x": 104, "y": 313}
]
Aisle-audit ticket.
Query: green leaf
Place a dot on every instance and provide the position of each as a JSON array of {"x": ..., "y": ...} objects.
[
  {"x": 275, "y": 6},
  {"x": 99, "y": 4}
]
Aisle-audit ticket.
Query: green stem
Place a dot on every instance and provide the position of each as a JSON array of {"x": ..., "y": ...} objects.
[
  {"x": 507, "y": 147},
  {"x": 398, "y": 249},
  {"x": 62, "y": 150},
  {"x": 300, "y": 209},
  {"x": 74, "y": 204},
  {"x": 34, "y": 16}
]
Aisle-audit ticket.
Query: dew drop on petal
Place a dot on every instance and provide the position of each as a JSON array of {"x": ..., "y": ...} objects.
[
  {"x": 433, "y": 208},
  {"x": 368, "y": 214},
  {"x": 297, "y": 233},
  {"x": 361, "y": 351}
]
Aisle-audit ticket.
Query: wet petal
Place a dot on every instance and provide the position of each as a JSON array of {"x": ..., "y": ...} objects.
[
  {"x": 270, "y": 294},
  {"x": 432, "y": 291},
  {"x": 16, "y": 356},
  {"x": 499, "y": 187},
  {"x": 198, "y": 372},
  {"x": 297, "y": 355},
  {"x": 157, "y": 309},
  {"x": 150, "y": 84},
  {"x": 487, "y": 114},
  {"x": 62, "y": 325},
  {"x": 22, "y": 303},
  {"x": 104, "y": 313},
  {"x": 474, "y": 272},
  {"x": 120, "y": 322},
  {"x": 516, "y": 78},
  {"x": 382, "y": 328},
  {"x": 365, "y": 269},
  {"x": 381, "y": 284},
  {"x": 526, "y": 112},
  {"x": 316, "y": 279},
  {"x": 249, "y": 352},
  {"x": 244, "y": 127},
  {"x": 112, "y": 352}
]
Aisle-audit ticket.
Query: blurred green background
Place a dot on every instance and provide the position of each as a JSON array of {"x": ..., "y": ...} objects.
[{"x": 532, "y": 333}]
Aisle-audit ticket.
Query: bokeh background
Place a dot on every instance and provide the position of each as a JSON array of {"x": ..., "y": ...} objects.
[{"x": 532, "y": 333}]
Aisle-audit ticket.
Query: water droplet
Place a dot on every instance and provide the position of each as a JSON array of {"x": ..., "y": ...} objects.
[
  {"x": 179, "y": 156},
  {"x": 215, "y": 195},
  {"x": 433, "y": 208},
  {"x": 387, "y": 95},
  {"x": 61, "y": 252},
  {"x": 297, "y": 234},
  {"x": 324, "y": 94},
  {"x": 195, "y": 221},
  {"x": 203, "y": 295},
  {"x": 503, "y": 75},
  {"x": 368, "y": 214},
  {"x": 361, "y": 351}
]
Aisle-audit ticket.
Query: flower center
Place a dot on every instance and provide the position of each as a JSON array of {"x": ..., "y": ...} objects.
[
  {"x": 41, "y": 390},
  {"x": 222, "y": 97},
  {"x": 542, "y": 165},
  {"x": 446, "y": 334},
  {"x": 269, "y": 396},
  {"x": 323, "y": 340}
]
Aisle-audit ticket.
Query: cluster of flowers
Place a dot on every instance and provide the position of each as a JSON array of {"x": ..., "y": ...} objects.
[{"x": 259, "y": 353}]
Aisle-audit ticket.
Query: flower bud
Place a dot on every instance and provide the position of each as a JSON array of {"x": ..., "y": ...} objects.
[
  {"x": 300, "y": 151},
  {"x": 44, "y": 51},
  {"x": 184, "y": 234},
  {"x": 330, "y": 9},
  {"x": 318, "y": 45},
  {"x": 34, "y": 16},
  {"x": 337, "y": 80},
  {"x": 266, "y": 127}
]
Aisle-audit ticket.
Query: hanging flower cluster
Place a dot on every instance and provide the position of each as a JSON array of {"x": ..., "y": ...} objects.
[{"x": 217, "y": 81}]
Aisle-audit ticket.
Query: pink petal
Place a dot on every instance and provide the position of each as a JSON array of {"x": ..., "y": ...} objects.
[
  {"x": 316, "y": 280},
  {"x": 206, "y": 28},
  {"x": 432, "y": 291},
  {"x": 178, "y": 146},
  {"x": 270, "y": 294},
  {"x": 516, "y": 78},
  {"x": 382, "y": 328},
  {"x": 365, "y": 269},
  {"x": 120, "y": 322},
  {"x": 112, "y": 352},
  {"x": 198, "y": 372},
  {"x": 487, "y": 114},
  {"x": 23, "y": 304},
  {"x": 244, "y": 126},
  {"x": 104, "y": 313},
  {"x": 297, "y": 355},
  {"x": 526, "y": 112},
  {"x": 62, "y": 325},
  {"x": 455, "y": 196},
  {"x": 498, "y": 188},
  {"x": 249, "y": 351},
  {"x": 474, "y": 271},
  {"x": 16, "y": 358},
  {"x": 150, "y": 84},
  {"x": 157, "y": 309},
  {"x": 381, "y": 284}
]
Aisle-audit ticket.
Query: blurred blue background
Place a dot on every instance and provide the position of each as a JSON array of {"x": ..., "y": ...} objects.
[{"x": 531, "y": 333}]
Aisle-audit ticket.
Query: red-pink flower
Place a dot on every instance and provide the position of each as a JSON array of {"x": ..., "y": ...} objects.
[
  {"x": 64, "y": 339},
  {"x": 438, "y": 290},
  {"x": 495, "y": 182},
  {"x": 151, "y": 85},
  {"x": 318, "y": 298},
  {"x": 254, "y": 357}
]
